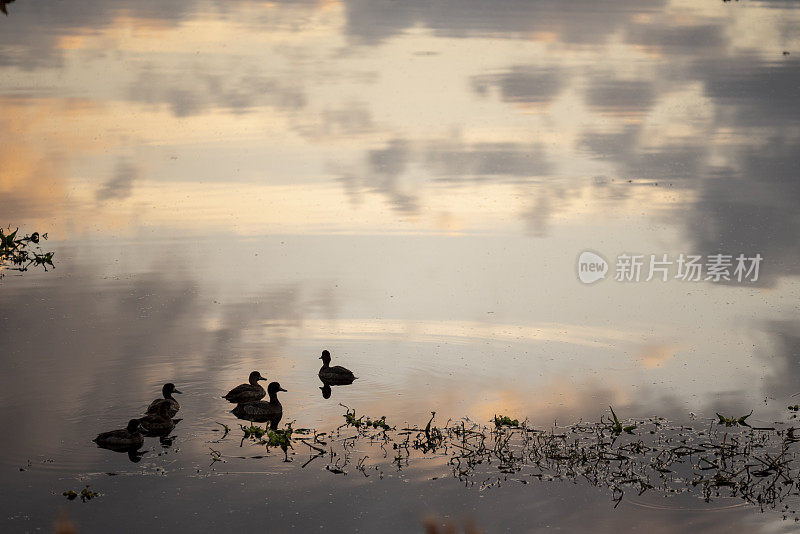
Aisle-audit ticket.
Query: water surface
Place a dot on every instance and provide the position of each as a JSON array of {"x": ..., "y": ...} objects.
[{"x": 236, "y": 186}]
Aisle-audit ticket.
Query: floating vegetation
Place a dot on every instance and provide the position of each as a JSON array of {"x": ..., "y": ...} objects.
[
  {"x": 282, "y": 439},
  {"x": 216, "y": 456},
  {"x": 253, "y": 431},
  {"x": 728, "y": 459},
  {"x": 226, "y": 429},
  {"x": 15, "y": 254},
  {"x": 351, "y": 420},
  {"x": 616, "y": 426},
  {"x": 733, "y": 421},
  {"x": 85, "y": 494},
  {"x": 270, "y": 437},
  {"x": 504, "y": 420}
]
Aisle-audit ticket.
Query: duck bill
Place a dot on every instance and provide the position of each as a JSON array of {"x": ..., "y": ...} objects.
[
  {"x": 281, "y": 389},
  {"x": 176, "y": 391}
]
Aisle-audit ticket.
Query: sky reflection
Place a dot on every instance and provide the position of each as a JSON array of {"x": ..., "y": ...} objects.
[{"x": 236, "y": 186}]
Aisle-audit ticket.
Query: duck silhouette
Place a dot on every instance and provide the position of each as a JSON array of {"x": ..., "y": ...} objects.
[
  {"x": 262, "y": 411},
  {"x": 252, "y": 391},
  {"x": 159, "y": 423},
  {"x": 167, "y": 391},
  {"x": 122, "y": 440},
  {"x": 336, "y": 375}
]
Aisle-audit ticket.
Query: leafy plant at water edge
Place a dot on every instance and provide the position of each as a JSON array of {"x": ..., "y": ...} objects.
[
  {"x": 733, "y": 421},
  {"x": 15, "y": 255},
  {"x": 616, "y": 426},
  {"x": 253, "y": 431},
  {"x": 364, "y": 421},
  {"x": 504, "y": 420}
]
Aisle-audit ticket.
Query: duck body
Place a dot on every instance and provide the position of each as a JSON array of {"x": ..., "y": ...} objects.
[
  {"x": 336, "y": 375},
  {"x": 171, "y": 403},
  {"x": 157, "y": 424},
  {"x": 261, "y": 410},
  {"x": 124, "y": 439},
  {"x": 250, "y": 392}
]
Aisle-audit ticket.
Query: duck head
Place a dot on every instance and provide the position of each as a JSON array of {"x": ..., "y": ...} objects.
[
  {"x": 326, "y": 357},
  {"x": 133, "y": 426},
  {"x": 274, "y": 388},
  {"x": 255, "y": 376},
  {"x": 168, "y": 389}
]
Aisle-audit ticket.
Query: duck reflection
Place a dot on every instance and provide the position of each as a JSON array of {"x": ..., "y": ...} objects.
[
  {"x": 252, "y": 391},
  {"x": 166, "y": 441},
  {"x": 167, "y": 391},
  {"x": 135, "y": 456},
  {"x": 326, "y": 389},
  {"x": 262, "y": 411},
  {"x": 326, "y": 386}
]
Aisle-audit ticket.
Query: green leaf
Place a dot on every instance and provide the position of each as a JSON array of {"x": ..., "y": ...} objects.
[{"x": 616, "y": 421}]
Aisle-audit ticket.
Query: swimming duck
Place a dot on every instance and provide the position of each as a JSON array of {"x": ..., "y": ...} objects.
[
  {"x": 159, "y": 423},
  {"x": 167, "y": 391},
  {"x": 261, "y": 409},
  {"x": 247, "y": 392},
  {"x": 336, "y": 375},
  {"x": 123, "y": 439}
]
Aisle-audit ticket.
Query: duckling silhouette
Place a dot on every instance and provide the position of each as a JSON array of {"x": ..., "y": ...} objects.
[
  {"x": 247, "y": 392},
  {"x": 167, "y": 391},
  {"x": 262, "y": 411},
  {"x": 122, "y": 440},
  {"x": 159, "y": 423},
  {"x": 334, "y": 376}
]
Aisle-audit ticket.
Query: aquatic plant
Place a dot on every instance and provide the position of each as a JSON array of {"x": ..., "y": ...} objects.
[
  {"x": 15, "y": 254},
  {"x": 216, "y": 456},
  {"x": 253, "y": 431},
  {"x": 85, "y": 494},
  {"x": 504, "y": 420},
  {"x": 616, "y": 426},
  {"x": 226, "y": 429},
  {"x": 364, "y": 421},
  {"x": 722, "y": 457},
  {"x": 758, "y": 465},
  {"x": 280, "y": 438},
  {"x": 734, "y": 421}
]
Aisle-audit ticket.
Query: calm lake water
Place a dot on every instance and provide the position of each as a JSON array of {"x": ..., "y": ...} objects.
[{"x": 230, "y": 186}]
